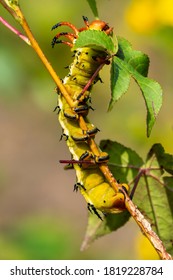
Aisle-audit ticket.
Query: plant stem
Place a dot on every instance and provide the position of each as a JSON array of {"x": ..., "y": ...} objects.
[
  {"x": 41, "y": 55},
  {"x": 15, "y": 31},
  {"x": 145, "y": 226}
]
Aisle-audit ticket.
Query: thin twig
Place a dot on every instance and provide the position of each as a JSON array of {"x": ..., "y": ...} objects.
[
  {"x": 146, "y": 228},
  {"x": 15, "y": 31}
]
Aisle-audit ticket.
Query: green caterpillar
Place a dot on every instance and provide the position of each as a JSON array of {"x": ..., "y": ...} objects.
[{"x": 91, "y": 182}]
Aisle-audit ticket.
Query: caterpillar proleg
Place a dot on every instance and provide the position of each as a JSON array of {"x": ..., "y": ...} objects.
[{"x": 83, "y": 73}]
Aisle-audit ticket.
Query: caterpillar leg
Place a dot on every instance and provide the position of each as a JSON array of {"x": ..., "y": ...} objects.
[
  {"x": 79, "y": 136},
  {"x": 65, "y": 136},
  {"x": 73, "y": 113},
  {"x": 90, "y": 205},
  {"x": 77, "y": 186},
  {"x": 102, "y": 158},
  {"x": 92, "y": 208},
  {"x": 57, "y": 108},
  {"x": 88, "y": 159}
]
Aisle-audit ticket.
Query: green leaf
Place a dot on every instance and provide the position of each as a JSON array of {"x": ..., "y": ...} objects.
[
  {"x": 165, "y": 160},
  {"x": 152, "y": 94},
  {"x": 93, "y": 6},
  {"x": 138, "y": 60},
  {"x": 124, "y": 163},
  {"x": 97, "y": 228},
  {"x": 168, "y": 182},
  {"x": 132, "y": 63},
  {"x": 120, "y": 80},
  {"x": 154, "y": 197},
  {"x": 97, "y": 40}
]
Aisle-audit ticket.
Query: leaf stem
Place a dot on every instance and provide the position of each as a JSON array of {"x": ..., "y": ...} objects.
[{"x": 15, "y": 31}]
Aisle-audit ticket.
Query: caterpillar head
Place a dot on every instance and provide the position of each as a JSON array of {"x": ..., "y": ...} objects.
[
  {"x": 100, "y": 25},
  {"x": 94, "y": 25}
]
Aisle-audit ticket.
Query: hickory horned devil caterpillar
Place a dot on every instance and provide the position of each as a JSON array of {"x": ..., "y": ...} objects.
[{"x": 88, "y": 160}]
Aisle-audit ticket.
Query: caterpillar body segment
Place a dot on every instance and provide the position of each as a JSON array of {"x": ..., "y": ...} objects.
[
  {"x": 71, "y": 128},
  {"x": 86, "y": 63},
  {"x": 83, "y": 73},
  {"x": 98, "y": 191}
]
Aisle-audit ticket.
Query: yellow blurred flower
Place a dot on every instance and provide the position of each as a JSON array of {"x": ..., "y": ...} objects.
[
  {"x": 165, "y": 12},
  {"x": 145, "y": 16},
  {"x": 144, "y": 249}
]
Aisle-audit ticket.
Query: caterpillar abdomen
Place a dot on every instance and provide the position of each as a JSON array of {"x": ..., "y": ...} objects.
[
  {"x": 94, "y": 183},
  {"x": 85, "y": 64}
]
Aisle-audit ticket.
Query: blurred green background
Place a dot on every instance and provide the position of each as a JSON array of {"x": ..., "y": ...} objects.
[{"x": 40, "y": 216}]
